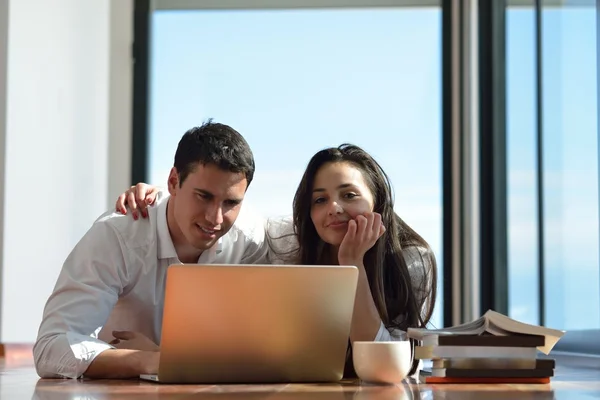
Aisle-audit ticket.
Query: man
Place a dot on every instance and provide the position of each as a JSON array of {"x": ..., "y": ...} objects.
[{"x": 115, "y": 276}]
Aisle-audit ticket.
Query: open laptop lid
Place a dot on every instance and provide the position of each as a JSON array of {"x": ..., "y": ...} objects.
[{"x": 256, "y": 323}]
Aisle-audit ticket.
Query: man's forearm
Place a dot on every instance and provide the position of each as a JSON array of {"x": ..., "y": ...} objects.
[{"x": 123, "y": 364}]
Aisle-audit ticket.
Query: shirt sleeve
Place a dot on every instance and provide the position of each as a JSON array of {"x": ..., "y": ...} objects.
[
  {"x": 389, "y": 335},
  {"x": 88, "y": 287},
  {"x": 282, "y": 241},
  {"x": 252, "y": 226},
  {"x": 420, "y": 262}
]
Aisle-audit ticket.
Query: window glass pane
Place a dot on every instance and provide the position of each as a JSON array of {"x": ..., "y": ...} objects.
[
  {"x": 521, "y": 128},
  {"x": 570, "y": 99},
  {"x": 570, "y": 169},
  {"x": 296, "y": 81}
]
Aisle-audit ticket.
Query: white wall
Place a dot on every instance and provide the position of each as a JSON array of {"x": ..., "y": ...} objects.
[
  {"x": 67, "y": 140},
  {"x": 3, "y": 79}
]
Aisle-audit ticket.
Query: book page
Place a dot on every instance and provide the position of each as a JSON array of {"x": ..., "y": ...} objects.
[
  {"x": 470, "y": 328},
  {"x": 500, "y": 324}
]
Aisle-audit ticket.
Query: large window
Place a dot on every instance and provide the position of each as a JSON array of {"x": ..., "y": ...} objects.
[
  {"x": 570, "y": 113},
  {"x": 299, "y": 79},
  {"x": 296, "y": 81},
  {"x": 557, "y": 284},
  {"x": 521, "y": 164}
]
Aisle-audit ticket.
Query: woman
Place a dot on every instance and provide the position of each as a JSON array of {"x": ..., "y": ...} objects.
[{"x": 343, "y": 215}]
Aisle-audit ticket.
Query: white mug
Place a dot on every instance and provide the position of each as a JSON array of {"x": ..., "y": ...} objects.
[{"x": 382, "y": 362}]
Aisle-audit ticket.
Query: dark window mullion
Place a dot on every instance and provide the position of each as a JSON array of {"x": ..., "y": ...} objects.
[
  {"x": 540, "y": 160},
  {"x": 447, "y": 158},
  {"x": 598, "y": 94},
  {"x": 492, "y": 159},
  {"x": 141, "y": 94},
  {"x": 454, "y": 105}
]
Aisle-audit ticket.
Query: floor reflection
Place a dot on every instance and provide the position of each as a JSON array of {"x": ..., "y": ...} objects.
[{"x": 129, "y": 390}]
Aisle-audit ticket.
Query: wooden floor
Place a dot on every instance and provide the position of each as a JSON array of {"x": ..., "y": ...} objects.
[{"x": 18, "y": 380}]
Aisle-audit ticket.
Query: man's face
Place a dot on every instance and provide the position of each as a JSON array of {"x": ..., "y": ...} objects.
[{"x": 207, "y": 203}]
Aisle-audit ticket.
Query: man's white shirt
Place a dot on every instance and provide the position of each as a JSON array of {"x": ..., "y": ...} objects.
[{"x": 114, "y": 279}]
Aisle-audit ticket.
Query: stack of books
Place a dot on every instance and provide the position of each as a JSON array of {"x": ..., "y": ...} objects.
[{"x": 491, "y": 349}]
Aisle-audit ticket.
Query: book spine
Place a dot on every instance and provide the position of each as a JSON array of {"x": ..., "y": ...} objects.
[
  {"x": 437, "y": 352},
  {"x": 492, "y": 341},
  {"x": 435, "y": 379},
  {"x": 492, "y": 373},
  {"x": 493, "y": 363}
]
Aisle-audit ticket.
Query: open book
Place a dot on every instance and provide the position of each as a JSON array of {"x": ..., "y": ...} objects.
[{"x": 493, "y": 323}]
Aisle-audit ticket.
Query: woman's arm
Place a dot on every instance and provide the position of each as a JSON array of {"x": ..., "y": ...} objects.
[
  {"x": 363, "y": 232},
  {"x": 366, "y": 323}
]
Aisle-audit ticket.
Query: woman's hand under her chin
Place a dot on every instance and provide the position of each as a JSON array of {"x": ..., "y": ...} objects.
[{"x": 363, "y": 232}]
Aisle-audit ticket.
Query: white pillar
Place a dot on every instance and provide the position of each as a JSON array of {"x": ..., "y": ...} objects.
[{"x": 64, "y": 140}]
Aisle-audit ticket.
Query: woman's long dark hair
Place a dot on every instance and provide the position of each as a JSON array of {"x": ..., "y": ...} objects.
[{"x": 393, "y": 290}]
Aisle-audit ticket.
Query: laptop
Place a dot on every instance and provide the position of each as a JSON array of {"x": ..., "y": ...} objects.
[{"x": 255, "y": 323}]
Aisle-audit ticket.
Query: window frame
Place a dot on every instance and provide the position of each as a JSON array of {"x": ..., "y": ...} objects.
[
  {"x": 141, "y": 94},
  {"x": 285, "y": 4},
  {"x": 575, "y": 342},
  {"x": 472, "y": 103}
]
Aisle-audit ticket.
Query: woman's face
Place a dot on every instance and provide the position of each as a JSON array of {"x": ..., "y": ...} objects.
[{"x": 340, "y": 193}]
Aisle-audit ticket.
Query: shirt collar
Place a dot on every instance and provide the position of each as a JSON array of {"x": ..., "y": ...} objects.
[{"x": 166, "y": 248}]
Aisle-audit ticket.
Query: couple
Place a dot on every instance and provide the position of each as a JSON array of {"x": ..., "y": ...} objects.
[{"x": 103, "y": 319}]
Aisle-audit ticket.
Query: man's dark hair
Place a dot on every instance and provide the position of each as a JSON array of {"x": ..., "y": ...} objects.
[{"x": 214, "y": 143}]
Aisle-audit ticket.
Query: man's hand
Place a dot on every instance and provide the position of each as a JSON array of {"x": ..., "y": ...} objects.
[
  {"x": 133, "y": 341},
  {"x": 123, "y": 364}
]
